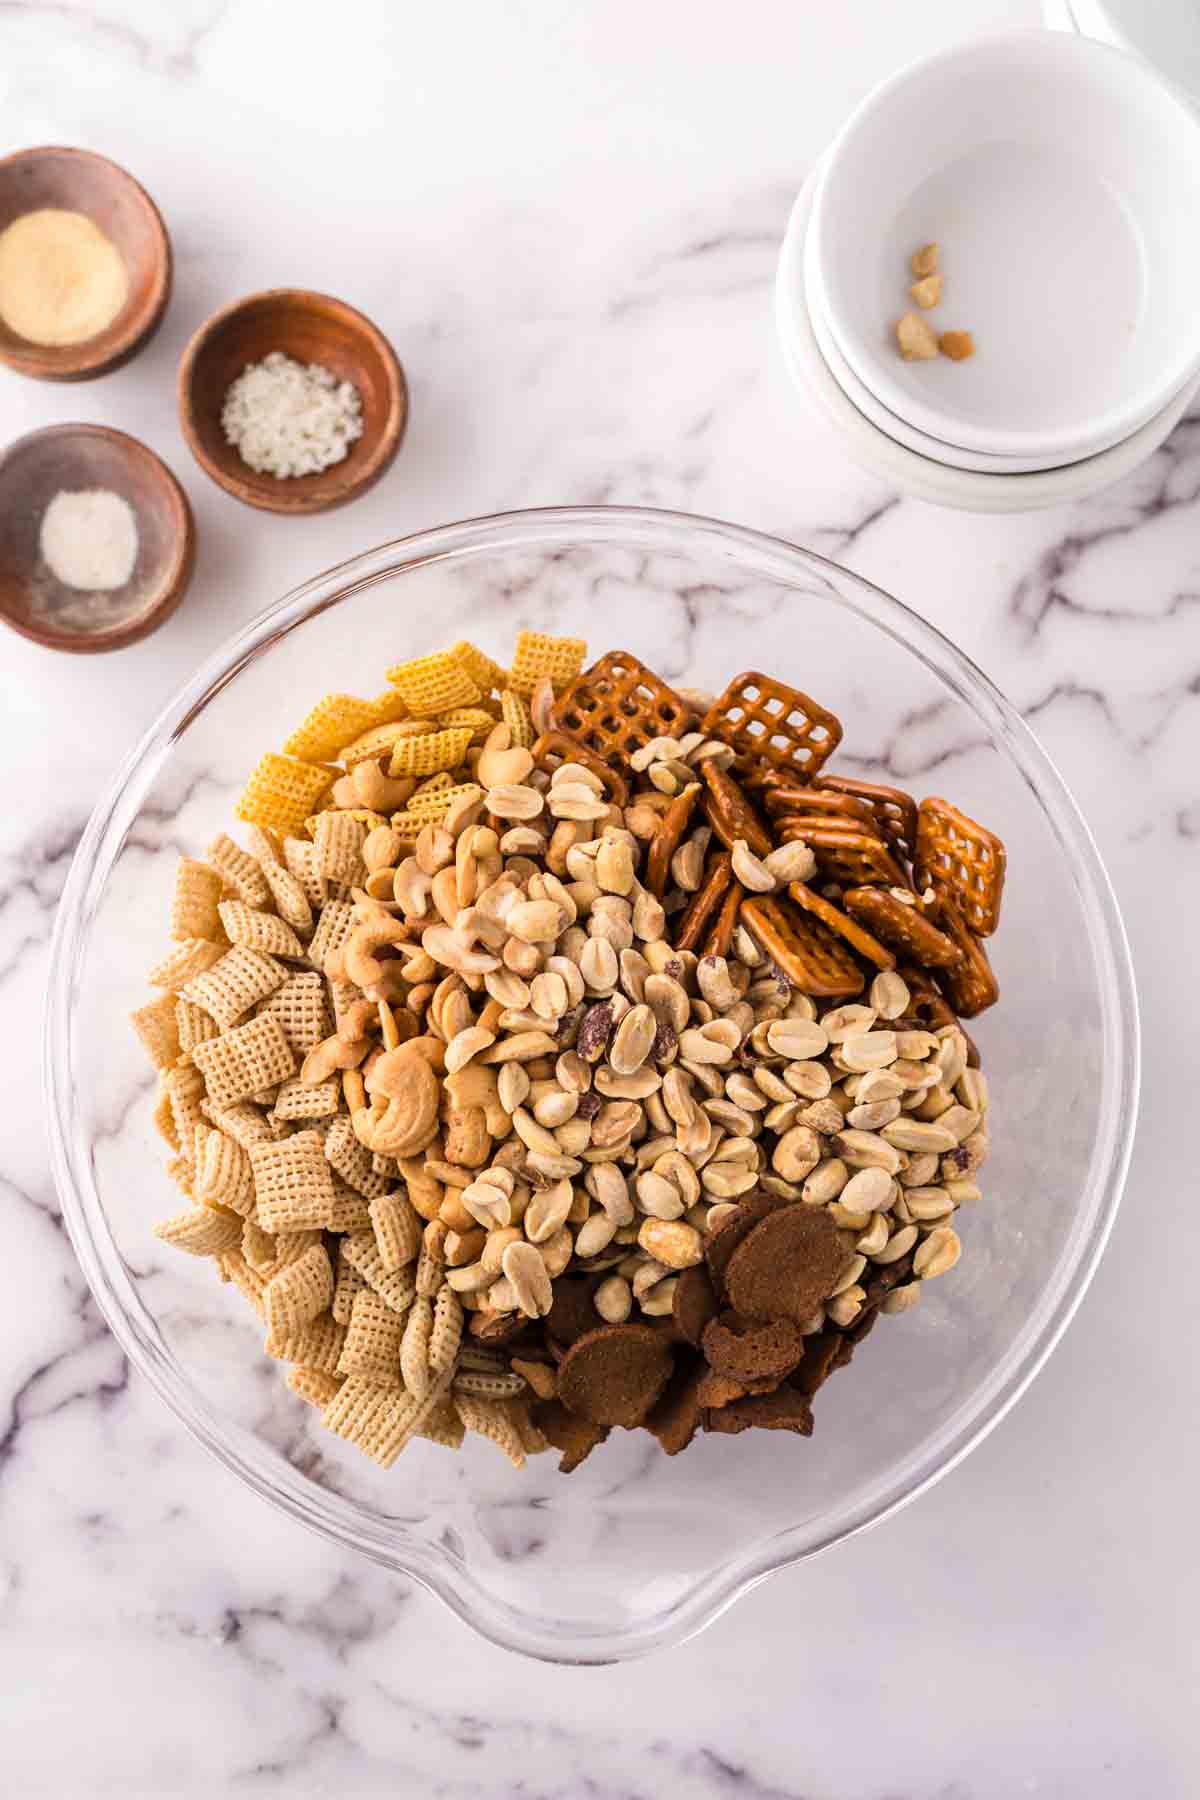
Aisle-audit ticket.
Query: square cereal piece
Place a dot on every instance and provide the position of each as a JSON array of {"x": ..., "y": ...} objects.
[
  {"x": 302, "y": 1008},
  {"x": 316, "y": 1345},
  {"x": 194, "y": 1025},
  {"x": 333, "y": 928},
  {"x": 194, "y": 904},
  {"x": 377, "y": 744},
  {"x": 235, "y": 983},
  {"x": 373, "y": 1418},
  {"x": 293, "y": 1184},
  {"x": 265, "y": 846},
  {"x": 164, "y": 1117},
  {"x": 299, "y": 1292},
  {"x": 397, "y": 1229},
  {"x": 245, "y": 1060},
  {"x": 433, "y": 684},
  {"x": 517, "y": 716},
  {"x": 318, "y": 1389},
  {"x": 181, "y": 965},
  {"x": 338, "y": 840},
  {"x": 486, "y": 674},
  {"x": 224, "y": 1176},
  {"x": 337, "y": 720},
  {"x": 250, "y": 1285},
  {"x": 372, "y": 1346},
  {"x": 244, "y": 1123},
  {"x": 239, "y": 870},
  {"x": 428, "y": 755},
  {"x": 291, "y": 902},
  {"x": 477, "y": 721},
  {"x": 256, "y": 930},
  {"x": 351, "y": 1212},
  {"x": 347, "y": 1283},
  {"x": 295, "y": 1100},
  {"x": 185, "y": 1087},
  {"x": 537, "y": 655},
  {"x": 397, "y": 1287},
  {"x": 352, "y": 1161},
  {"x": 201, "y": 1231},
  {"x": 158, "y": 1028},
  {"x": 300, "y": 856},
  {"x": 281, "y": 793}
]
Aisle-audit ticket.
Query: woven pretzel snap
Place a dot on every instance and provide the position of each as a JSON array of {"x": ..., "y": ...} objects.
[
  {"x": 618, "y": 706},
  {"x": 764, "y": 720}
]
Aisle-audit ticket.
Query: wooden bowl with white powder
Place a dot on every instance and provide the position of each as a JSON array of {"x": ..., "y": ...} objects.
[
  {"x": 97, "y": 541},
  {"x": 292, "y": 401},
  {"x": 85, "y": 264}
]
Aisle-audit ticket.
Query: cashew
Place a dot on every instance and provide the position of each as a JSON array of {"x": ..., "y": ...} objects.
[
  {"x": 334, "y": 1053},
  {"x": 404, "y": 1081},
  {"x": 362, "y": 967},
  {"x": 378, "y": 791}
]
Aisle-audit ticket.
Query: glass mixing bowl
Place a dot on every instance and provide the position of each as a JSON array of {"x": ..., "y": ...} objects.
[{"x": 636, "y": 1549}]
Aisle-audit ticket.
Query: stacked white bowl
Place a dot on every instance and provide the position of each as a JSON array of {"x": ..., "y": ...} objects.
[{"x": 1061, "y": 179}]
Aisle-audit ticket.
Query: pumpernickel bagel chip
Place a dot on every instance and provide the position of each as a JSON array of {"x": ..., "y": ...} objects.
[
  {"x": 574, "y": 1436},
  {"x": 724, "y": 1239},
  {"x": 752, "y": 1349},
  {"x": 695, "y": 1303},
  {"x": 787, "y": 1265},
  {"x": 784, "y": 1410},
  {"x": 614, "y": 1375}
]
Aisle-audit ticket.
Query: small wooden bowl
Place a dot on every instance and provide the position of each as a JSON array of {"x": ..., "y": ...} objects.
[
  {"x": 77, "y": 457},
  {"x": 80, "y": 181},
  {"x": 310, "y": 328}
]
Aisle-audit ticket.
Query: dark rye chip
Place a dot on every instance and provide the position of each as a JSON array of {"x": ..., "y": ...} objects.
[
  {"x": 695, "y": 1303},
  {"x": 752, "y": 1349},
  {"x": 725, "y": 1238},
  {"x": 613, "y": 1376},
  {"x": 787, "y": 1265},
  {"x": 677, "y": 1416},
  {"x": 784, "y": 1410},
  {"x": 575, "y": 1437},
  {"x": 818, "y": 1362},
  {"x": 571, "y": 1310}
]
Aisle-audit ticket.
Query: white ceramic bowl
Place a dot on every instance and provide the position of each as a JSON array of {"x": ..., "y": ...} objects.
[
  {"x": 903, "y": 469},
  {"x": 1062, "y": 180}
]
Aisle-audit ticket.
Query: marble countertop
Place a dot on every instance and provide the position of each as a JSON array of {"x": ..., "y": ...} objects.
[{"x": 567, "y": 217}]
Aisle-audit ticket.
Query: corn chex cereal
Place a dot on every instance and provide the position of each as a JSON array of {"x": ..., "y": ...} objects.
[
  {"x": 224, "y": 1176},
  {"x": 299, "y": 1292},
  {"x": 428, "y": 755},
  {"x": 291, "y": 902},
  {"x": 245, "y": 1060},
  {"x": 333, "y": 928},
  {"x": 187, "y": 960},
  {"x": 301, "y": 1005},
  {"x": 157, "y": 1026},
  {"x": 280, "y": 794},
  {"x": 337, "y": 720},
  {"x": 537, "y": 655},
  {"x": 299, "y": 1100},
  {"x": 236, "y": 982},
  {"x": 350, "y": 1211},
  {"x": 397, "y": 1229},
  {"x": 293, "y": 1185},
  {"x": 516, "y": 715},
  {"x": 430, "y": 791},
  {"x": 256, "y": 930},
  {"x": 485, "y": 673},
  {"x": 471, "y": 718},
  {"x": 202, "y": 1231},
  {"x": 338, "y": 840},
  {"x": 372, "y": 1346},
  {"x": 397, "y": 1286},
  {"x": 377, "y": 744},
  {"x": 351, "y": 1160},
  {"x": 194, "y": 906},
  {"x": 314, "y": 1386},
  {"x": 238, "y": 870},
  {"x": 433, "y": 684},
  {"x": 194, "y": 1025}
]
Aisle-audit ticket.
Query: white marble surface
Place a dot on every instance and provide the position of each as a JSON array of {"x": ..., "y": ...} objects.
[{"x": 566, "y": 216}]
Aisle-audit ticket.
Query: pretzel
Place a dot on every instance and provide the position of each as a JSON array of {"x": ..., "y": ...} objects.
[
  {"x": 852, "y": 858},
  {"x": 672, "y": 826},
  {"x": 971, "y": 987},
  {"x": 927, "y": 1005},
  {"x": 618, "y": 706},
  {"x": 554, "y": 748},
  {"x": 837, "y": 921},
  {"x": 718, "y": 874},
  {"x": 906, "y": 928},
  {"x": 963, "y": 859},
  {"x": 809, "y": 954},
  {"x": 730, "y": 813},
  {"x": 895, "y": 810},
  {"x": 787, "y": 801},
  {"x": 721, "y": 936},
  {"x": 765, "y": 720}
]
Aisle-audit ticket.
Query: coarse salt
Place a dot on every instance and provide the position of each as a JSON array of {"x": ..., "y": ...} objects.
[{"x": 285, "y": 419}]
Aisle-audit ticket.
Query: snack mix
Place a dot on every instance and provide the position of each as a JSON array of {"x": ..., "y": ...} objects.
[{"x": 566, "y": 1051}]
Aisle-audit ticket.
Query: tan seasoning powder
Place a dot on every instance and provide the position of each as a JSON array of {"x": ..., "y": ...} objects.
[{"x": 62, "y": 281}]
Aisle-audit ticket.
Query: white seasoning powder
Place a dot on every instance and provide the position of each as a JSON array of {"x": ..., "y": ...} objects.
[
  {"x": 89, "y": 539},
  {"x": 284, "y": 419}
]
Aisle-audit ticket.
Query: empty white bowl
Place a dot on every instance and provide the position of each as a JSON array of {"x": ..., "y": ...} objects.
[
  {"x": 920, "y": 476},
  {"x": 1062, "y": 180}
]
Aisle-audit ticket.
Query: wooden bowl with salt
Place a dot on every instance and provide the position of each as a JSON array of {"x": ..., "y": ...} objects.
[
  {"x": 55, "y": 178},
  {"x": 308, "y": 328},
  {"x": 77, "y": 461}
]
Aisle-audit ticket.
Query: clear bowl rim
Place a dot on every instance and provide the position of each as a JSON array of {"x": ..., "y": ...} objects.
[{"x": 329, "y": 1514}]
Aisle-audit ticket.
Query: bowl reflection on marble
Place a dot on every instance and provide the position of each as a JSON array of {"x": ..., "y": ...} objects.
[{"x": 635, "y": 1550}]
